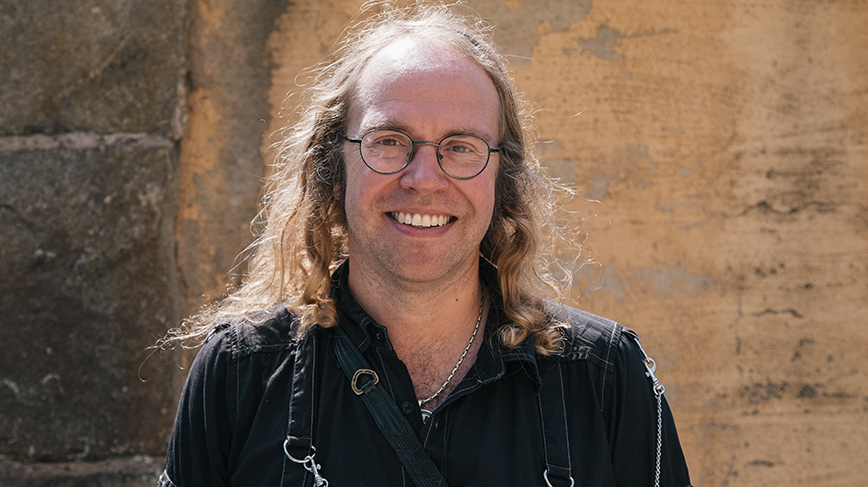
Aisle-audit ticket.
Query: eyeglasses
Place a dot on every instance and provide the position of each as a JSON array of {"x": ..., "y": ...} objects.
[{"x": 461, "y": 156}]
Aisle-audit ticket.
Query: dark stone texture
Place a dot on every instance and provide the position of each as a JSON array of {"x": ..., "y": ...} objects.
[
  {"x": 138, "y": 471},
  {"x": 87, "y": 282},
  {"x": 92, "y": 66}
]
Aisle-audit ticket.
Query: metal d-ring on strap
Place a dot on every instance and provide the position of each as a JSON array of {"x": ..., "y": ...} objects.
[
  {"x": 365, "y": 387},
  {"x": 650, "y": 368},
  {"x": 546, "y": 477},
  {"x": 309, "y": 464},
  {"x": 388, "y": 418}
]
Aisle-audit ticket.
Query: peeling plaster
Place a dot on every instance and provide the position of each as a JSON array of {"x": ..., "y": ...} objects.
[
  {"x": 672, "y": 280},
  {"x": 666, "y": 281},
  {"x": 625, "y": 163},
  {"x": 518, "y": 35},
  {"x": 603, "y": 45},
  {"x": 563, "y": 169},
  {"x": 609, "y": 282}
]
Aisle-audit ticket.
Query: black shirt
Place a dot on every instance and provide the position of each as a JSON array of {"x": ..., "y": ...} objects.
[{"x": 232, "y": 419}]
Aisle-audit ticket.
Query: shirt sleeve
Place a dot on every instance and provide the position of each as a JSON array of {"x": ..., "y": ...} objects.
[
  {"x": 200, "y": 441},
  {"x": 633, "y": 426}
]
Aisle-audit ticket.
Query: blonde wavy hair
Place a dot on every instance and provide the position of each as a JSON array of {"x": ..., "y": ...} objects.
[{"x": 304, "y": 236}]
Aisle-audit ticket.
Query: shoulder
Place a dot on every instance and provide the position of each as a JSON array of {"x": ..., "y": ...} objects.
[
  {"x": 613, "y": 350},
  {"x": 587, "y": 336},
  {"x": 237, "y": 354},
  {"x": 270, "y": 330}
]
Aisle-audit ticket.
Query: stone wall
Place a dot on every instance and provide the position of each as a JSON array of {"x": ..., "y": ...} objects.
[
  {"x": 92, "y": 101},
  {"x": 718, "y": 149},
  {"x": 107, "y": 151}
]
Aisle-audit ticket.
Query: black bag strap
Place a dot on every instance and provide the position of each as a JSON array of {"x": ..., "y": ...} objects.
[
  {"x": 298, "y": 445},
  {"x": 389, "y": 419},
  {"x": 556, "y": 440}
]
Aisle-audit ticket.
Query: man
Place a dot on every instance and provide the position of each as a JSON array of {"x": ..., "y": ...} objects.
[{"x": 405, "y": 223}]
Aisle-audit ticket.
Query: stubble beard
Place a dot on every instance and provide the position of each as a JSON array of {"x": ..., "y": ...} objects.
[{"x": 410, "y": 265}]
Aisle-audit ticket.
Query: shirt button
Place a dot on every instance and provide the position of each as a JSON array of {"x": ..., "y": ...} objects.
[
  {"x": 379, "y": 336},
  {"x": 407, "y": 407}
]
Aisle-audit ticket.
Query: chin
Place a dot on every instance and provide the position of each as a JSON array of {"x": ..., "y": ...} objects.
[{"x": 423, "y": 269}]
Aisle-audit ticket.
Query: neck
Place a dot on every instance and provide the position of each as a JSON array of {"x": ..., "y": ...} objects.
[
  {"x": 429, "y": 325},
  {"x": 419, "y": 313}
]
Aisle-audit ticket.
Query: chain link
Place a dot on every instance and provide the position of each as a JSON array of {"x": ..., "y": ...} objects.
[
  {"x": 659, "y": 436},
  {"x": 309, "y": 464},
  {"x": 657, "y": 387}
]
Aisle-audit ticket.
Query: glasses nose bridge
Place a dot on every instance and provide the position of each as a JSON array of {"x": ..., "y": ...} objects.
[
  {"x": 435, "y": 145},
  {"x": 425, "y": 142}
]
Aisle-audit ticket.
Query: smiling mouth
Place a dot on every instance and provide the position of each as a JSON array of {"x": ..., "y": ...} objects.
[{"x": 419, "y": 220}]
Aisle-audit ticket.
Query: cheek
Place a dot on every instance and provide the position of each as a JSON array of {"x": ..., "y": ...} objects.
[
  {"x": 362, "y": 189},
  {"x": 351, "y": 192},
  {"x": 491, "y": 188},
  {"x": 354, "y": 176},
  {"x": 484, "y": 202},
  {"x": 353, "y": 196}
]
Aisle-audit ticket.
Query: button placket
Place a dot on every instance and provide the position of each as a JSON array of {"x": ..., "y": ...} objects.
[{"x": 407, "y": 407}]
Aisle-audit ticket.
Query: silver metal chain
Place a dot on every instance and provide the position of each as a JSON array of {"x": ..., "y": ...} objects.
[
  {"x": 650, "y": 368},
  {"x": 659, "y": 436},
  {"x": 466, "y": 349}
]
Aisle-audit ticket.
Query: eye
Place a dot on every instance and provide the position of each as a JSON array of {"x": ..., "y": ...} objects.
[
  {"x": 462, "y": 145},
  {"x": 386, "y": 140},
  {"x": 390, "y": 142}
]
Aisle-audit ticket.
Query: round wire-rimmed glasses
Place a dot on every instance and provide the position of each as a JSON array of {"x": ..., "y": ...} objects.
[{"x": 460, "y": 156}]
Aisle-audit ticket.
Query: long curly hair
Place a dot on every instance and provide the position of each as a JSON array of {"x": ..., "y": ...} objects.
[{"x": 304, "y": 232}]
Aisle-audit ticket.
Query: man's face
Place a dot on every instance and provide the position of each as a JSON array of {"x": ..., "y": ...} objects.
[{"x": 428, "y": 92}]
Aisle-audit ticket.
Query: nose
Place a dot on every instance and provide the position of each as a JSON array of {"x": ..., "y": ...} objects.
[{"x": 424, "y": 173}]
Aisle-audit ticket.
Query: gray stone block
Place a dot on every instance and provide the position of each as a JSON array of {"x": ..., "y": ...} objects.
[
  {"x": 137, "y": 471},
  {"x": 92, "y": 66},
  {"x": 88, "y": 280}
]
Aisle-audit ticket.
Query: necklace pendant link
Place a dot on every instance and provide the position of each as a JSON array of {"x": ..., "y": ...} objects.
[{"x": 461, "y": 359}]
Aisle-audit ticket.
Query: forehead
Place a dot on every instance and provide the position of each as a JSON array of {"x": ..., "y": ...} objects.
[{"x": 425, "y": 87}]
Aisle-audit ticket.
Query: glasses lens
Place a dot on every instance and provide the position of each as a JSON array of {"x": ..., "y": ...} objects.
[
  {"x": 386, "y": 151},
  {"x": 463, "y": 156}
]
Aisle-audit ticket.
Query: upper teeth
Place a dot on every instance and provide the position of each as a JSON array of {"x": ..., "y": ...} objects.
[{"x": 418, "y": 220}]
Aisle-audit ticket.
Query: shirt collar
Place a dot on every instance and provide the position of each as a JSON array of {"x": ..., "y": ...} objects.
[
  {"x": 493, "y": 361},
  {"x": 355, "y": 321},
  {"x": 496, "y": 360}
]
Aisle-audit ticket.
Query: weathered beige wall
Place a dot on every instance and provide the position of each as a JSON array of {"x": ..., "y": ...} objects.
[
  {"x": 726, "y": 144},
  {"x": 229, "y": 73},
  {"x": 719, "y": 148}
]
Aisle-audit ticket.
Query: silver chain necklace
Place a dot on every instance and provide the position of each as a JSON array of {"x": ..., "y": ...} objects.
[{"x": 466, "y": 349}]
